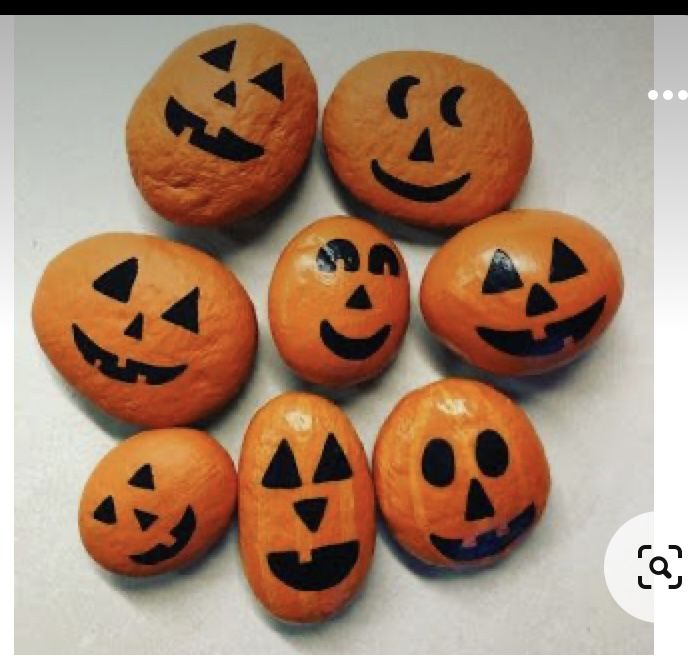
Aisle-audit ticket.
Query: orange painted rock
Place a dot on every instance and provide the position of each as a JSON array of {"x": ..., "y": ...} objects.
[
  {"x": 157, "y": 501},
  {"x": 339, "y": 301},
  {"x": 460, "y": 474},
  {"x": 522, "y": 292},
  {"x": 151, "y": 331},
  {"x": 306, "y": 508},
  {"x": 224, "y": 126},
  {"x": 428, "y": 138}
]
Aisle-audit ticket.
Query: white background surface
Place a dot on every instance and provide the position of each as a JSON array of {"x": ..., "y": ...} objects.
[{"x": 584, "y": 82}]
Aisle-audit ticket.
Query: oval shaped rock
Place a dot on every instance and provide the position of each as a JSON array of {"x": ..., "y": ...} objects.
[
  {"x": 523, "y": 291},
  {"x": 152, "y": 332},
  {"x": 306, "y": 508}
]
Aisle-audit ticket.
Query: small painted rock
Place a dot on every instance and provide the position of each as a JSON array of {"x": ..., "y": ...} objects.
[
  {"x": 522, "y": 292},
  {"x": 339, "y": 301},
  {"x": 306, "y": 508},
  {"x": 224, "y": 126},
  {"x": 157, "y": 501},
  {"x": 153, "y": 332},
  {"x": 460, "y": 474},
  {"x": 427, "y": 138}
]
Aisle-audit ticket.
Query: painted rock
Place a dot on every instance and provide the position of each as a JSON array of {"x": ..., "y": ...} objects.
[
  {"x": 306, "y": 508},
  {"x": 428, "y": 138},
  {"x": 522, "y": 292},
  {"x": 339, "y": 301},
  {"x": 460, "y": 474},
  {"x": 157, "y": 501},
  {"x": 224, "y": 126},
  {"x": 153, "y": 332}
]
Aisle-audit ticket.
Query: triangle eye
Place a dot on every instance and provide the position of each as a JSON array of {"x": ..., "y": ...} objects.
[
  {"x": 118, "y": 281},
  {"x": 333, "y": 465},
  {"x": 271, "y": 81},
  {"x": 282, "y": 472},
  {"x": 184, "y": 313},
  {"x": 105, "y": 512},
  {"x": 501, "y": 275},
  {"x": 220, "y": 57},
  {"x": 143, "y": 478},
  {"x": 565, "y": 263}
]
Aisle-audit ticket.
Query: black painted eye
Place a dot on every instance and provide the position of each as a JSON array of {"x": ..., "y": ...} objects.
[
  {"x": 396, "y": 95},
  {"x": 338, "y": 249},
  {"x": 438, "y": 462},
  {"x": 143, "y": 478},
  {"x": 118, "y": 281},
  {"x": 220, "y": 57},
  {"x": 184, "y": 313},
  {"x": 105, "y": 512},
  {"x": 565, "y": 263},
  {"x": 333, "y": 465},
  {"x": 491, "y": 453},
  {"x": 282, "y": 472},
  {"x": 381, "y": 255},
  {"x": 501, "y": 274},
  {"x": 271, "y": 81},
  {"x": 448, "y": 106}
]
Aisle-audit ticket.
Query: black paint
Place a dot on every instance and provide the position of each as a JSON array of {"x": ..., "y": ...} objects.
[
  {"x": 380, "y": 256},
  {"x": 501, "y": 274},
  {"x": 565, "y": 263},
  {"x": 282, "y": 472},
  {"x": 220, "y": 57},
  {"x": 448, "y": 106},
  {"x": 337, "y": 249},
  {"x": 118, "y": 281},
  {"x": 491, "y": 453},
  {"x": 438, "y": 462},
  {"x": 135, "y": 328},
  {"x": 105, "y": 512},
  {"x": 227, "y": 94},
  {"x": 271, "y": 81},
  {"x": 311, "y": 512},
  {"x": 422, "y": 151},
  {"x": 478, "y": 504},
  {"x": 184, "y": 313},
  {"x": 182, "y": 533},
  {"x": 145, "y": 519},
  {"x": 333, "y": 465},
  {"x": 353, "y": 348},
  {"x": 359, "y": 300},
  {"x": 329, "y": 566},
  {"x": 143, "y": 478},
  {"x": 539, "y": 301},
  {"x": 397, "y": 92}
]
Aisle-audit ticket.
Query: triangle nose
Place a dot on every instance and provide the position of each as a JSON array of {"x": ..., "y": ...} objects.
[
  {"x": 227, "y": 94},
  {"x": 135, "y": 328},
  {"x": 359, "y": 300},
  {"x": 478, "y": 505},
  {"x": 145, "y": 519},
  {"x": 539, "y": 301},
  {"x": 422, "y": 151},
  {"x": 311, "y": 512}
]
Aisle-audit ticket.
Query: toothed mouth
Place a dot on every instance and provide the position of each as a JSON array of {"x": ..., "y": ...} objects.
[
  {"x": 183, "y": 532},
  {"x": 353, "y": 348},
  {"x": 131, "y": 372}
]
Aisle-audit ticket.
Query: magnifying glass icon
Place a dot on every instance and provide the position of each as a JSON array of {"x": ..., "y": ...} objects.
[{"x": 663, "y": 570}]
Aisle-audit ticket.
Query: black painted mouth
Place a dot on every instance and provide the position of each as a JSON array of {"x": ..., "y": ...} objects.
[
  {"x": 227, "y": 144},
  {"x": 420, "y": 193},
  {"x": 160, "y": 552},
  {"x": 487, "y": 544},
  {"x": 522, "y": 343},
  {"x": 352, "y": 348},
  {"x": 131, "y": 372},
  {"x": 329, "y": 566}
]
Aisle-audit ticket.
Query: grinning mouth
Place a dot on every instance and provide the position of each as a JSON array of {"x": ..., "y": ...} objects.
[
  {"x": 487, "y": 544},
  {"x": 353, "y": 348},
  {"x": 160, "y": 552},
  {"x": 329, "y": 566},
  {"x": 106, "y": 363},
  {"x": 522, "y": 343},
  {"x": 420, "y": 193},
  {"x": 227, "y": 144}
]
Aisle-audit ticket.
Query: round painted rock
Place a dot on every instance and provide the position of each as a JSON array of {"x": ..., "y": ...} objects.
[
  {"x": 460, "y": 474},
  {"x": 306, "y": 508},
  {"x": 522, "y": 292},
  {"x": 224, "y": 126},
  {"x": 426, "y": 137},
  {"x": 157, "y": 501},
  {"x": 339, "y": 301},
  {"x": 153, "y": 332}
]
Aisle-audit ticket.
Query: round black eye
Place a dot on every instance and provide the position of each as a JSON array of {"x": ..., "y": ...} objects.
[
  {"x": 438, "y": 462},
  {"x": 491, "y": 453},
  {"x": 337, "y": 249},
  {"x": 396, "y": 95},
  {"x": 448, "y": 106}
]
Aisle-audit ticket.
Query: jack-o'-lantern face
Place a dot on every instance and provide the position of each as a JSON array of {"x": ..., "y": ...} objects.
[
  {"x": 460, "y": 473},
  {"x": 339, "y": 301},
  {"x": 533, "y": 290},
  {"x": 307, "y": 512}
]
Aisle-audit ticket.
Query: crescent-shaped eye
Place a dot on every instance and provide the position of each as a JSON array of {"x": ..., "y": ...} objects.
[
  {"x": 448, "y": 106},
  {"x": 396, "y": 95}
]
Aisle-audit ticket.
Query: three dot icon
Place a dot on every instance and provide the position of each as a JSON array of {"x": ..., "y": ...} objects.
[{"x": 653, "y": 94}]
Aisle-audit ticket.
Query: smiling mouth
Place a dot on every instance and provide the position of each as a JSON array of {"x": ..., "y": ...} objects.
[
  {"x": 131, "y": 372},
  {"x": 420, "y": 193},
  {"x": 487, "y": 544},
  {"x": 522, "y": 343},
  {"x": 160, "y": 552},
  {"x": 227, "y": 144},
  {"x": 353, "y": 348},
  {"x": 329, "y": 566}
]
